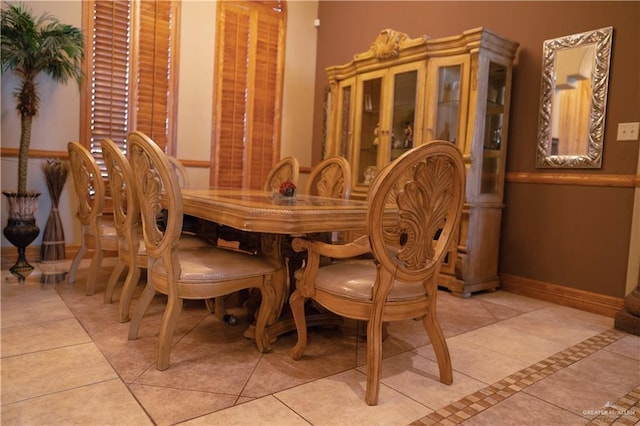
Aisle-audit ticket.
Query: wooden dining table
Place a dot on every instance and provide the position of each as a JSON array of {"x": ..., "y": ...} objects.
[
  {"x": 275, "y": 217},
  {"x": 261, "y": 211}
]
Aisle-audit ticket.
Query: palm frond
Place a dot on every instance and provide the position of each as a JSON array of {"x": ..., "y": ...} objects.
[{"x": 29, "y": 46}]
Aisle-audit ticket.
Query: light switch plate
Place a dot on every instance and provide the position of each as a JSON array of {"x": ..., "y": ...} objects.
[{"x": 628, "y": 131}]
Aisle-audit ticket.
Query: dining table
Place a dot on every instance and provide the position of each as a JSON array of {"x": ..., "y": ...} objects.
[{"x": 276, "y": 218}]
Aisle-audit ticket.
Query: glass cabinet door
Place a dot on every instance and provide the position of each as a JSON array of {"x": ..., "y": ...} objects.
[
  {"x": 447, "y": 99},
  {"x": 493, "y": 122},
  {"x": 370, "y": 132},
  {"x": 403, "y": 112},
  {"x": 344, "y": 118},
  {"x": 448, "y": 106}
]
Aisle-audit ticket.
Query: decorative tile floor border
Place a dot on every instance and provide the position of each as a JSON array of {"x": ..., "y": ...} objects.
[{"x": 625, "y": 411}]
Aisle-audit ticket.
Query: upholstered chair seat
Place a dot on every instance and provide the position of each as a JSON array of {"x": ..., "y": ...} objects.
[
  {"x": 354, "y": 279},
  {"x": 211, "y": 264}
]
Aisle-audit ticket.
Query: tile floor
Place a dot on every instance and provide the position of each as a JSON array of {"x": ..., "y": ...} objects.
[{"x": 66, "y": 360}]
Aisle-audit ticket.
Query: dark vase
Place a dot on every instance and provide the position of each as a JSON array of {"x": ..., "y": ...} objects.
[{"x": 21, "y": 228}]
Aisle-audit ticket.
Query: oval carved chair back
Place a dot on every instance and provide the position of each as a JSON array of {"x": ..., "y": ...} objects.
[
  {"x": 126, "y": 211},
  {"x": 98, "y": 231}
]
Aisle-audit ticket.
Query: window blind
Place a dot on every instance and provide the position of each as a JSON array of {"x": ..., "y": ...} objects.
[
  {"x": 155, "y": 73},
  {"x": 129, "y": 72},
  {"x": 247, "y": 92},
  {"x": 108, "y": 56}
]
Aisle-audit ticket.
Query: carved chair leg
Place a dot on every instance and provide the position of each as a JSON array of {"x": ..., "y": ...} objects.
[
  {"x": 143, "y": 303},
  {"x": 130, "y": 283},
  {"x": 374, "y": 361},
  {"x": 113, "y": 280},
  {"x": 93, "y": 272},
  {"x": 169, "y": 322},
  {"x": 439, "y": 346},
  {"x": 361, "y": 329},
  {"x": 76, "y": 263},
  {"x": 296, "y": 303}
]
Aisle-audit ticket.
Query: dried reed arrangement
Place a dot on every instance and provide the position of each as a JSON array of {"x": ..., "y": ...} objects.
[{"x": 53, "y": 248}]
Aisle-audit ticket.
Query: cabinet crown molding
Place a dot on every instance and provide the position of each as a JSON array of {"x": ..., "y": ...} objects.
[{"x": 389, "y": 43}]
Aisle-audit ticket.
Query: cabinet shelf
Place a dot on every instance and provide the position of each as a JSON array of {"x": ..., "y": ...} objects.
[
  {"x": 494, "y": 108},
  {"x": 449, "y": 103}
]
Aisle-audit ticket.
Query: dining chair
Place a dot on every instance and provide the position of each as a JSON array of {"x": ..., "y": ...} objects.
[
  {"x": 126, "y": 210},
  {"x": 132, "y": 251},
  {"x": 330, "y": 178},
  {"x": 414, "y": 209},
  {"x": 97, "y": 232},
  {"x": 194, "y": 273},
  {"x": 287, "y": 169}
]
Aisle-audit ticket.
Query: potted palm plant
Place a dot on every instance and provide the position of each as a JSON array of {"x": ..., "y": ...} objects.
[{"x": 30, "y": 46}]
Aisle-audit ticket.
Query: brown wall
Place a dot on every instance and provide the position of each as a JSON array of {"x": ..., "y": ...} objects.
[{"x": 574, "y": 236}]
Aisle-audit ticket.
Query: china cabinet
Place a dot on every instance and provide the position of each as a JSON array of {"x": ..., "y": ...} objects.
[{"x": 404, "y": 92}]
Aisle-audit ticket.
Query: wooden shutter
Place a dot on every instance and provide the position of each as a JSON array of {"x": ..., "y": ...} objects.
[
  {"x": 104, "y": 101},
  {"x": 130, "y": 72},
  {"x": 247, "y": 92},
  {"x": 156, "y": 81}
]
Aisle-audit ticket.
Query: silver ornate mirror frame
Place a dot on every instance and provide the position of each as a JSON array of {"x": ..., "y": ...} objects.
[{"x": 598, "y": 44}]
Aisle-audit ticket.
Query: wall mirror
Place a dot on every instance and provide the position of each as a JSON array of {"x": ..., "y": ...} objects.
[{"x": 573, "y": 100}]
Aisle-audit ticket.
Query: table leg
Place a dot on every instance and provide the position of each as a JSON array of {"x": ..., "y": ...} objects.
[
  {"x": 274, "y": 247},
  {"x": 271, "y": 249}
]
